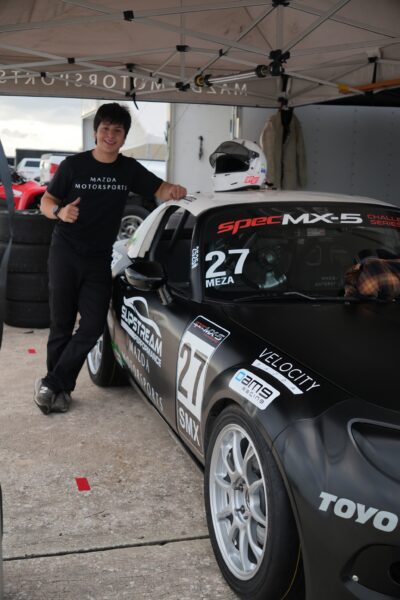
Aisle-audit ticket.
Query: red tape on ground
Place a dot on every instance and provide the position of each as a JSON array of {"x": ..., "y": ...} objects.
[{"x": 83, "y": 484}]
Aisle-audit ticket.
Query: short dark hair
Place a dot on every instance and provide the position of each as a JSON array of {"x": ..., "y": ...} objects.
[{"x": 113, "y": 113}]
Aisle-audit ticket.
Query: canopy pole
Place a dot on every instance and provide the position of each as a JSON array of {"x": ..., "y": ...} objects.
[
  {"x": 324, "y": 17},
  {"x": 223, "y": 52}
]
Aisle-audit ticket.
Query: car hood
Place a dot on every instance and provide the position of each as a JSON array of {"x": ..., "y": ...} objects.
[{"x": 355, "y": 346}]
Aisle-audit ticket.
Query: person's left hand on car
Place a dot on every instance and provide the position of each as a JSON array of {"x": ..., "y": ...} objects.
[
  {"x": 170, "y": 191},
  {"x": 177, "y": 192}
]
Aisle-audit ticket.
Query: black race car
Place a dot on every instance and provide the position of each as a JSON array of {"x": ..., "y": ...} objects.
[{"x": 234, "y": 315}]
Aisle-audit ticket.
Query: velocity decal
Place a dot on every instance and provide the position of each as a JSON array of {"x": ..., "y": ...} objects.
[
  {"x": 143, "y": 330},
  {"x": 253, "y": 388},
  {"x": 199, "y": 342},
  {"x": 287, "y": 219},
  {"x": 359, "y": 513},
  {"x": 215, "y": 277},
  {"x": 295, "y": 379}
]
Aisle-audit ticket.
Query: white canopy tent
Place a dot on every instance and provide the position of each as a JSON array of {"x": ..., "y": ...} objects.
[{"x": 238, "y": 52}]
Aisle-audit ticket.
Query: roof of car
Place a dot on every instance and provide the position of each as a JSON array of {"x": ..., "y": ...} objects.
[{"x": 199, "y": 203}]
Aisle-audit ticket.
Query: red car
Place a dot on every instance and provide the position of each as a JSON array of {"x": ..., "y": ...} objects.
[{"x": 27, "y": 193}]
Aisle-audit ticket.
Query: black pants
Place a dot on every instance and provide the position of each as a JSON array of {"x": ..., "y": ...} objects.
[{"x": 81, "y": 285}]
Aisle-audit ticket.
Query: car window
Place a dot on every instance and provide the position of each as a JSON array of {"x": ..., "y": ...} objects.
[
  {"x": 307, "y": 249},
  {"x": 172, "y": 246},
  {"x": 32, "y": 163}
]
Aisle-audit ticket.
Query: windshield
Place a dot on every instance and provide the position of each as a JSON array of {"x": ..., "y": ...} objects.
[{"x": 279, "y": 250}]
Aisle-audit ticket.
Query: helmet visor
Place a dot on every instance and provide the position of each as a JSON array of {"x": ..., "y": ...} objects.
[{"x": 230, "y": 157}]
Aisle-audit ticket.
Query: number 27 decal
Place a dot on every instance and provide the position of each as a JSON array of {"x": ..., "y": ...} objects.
[
  {"x": 191, "y": 372},
  {"x": 219, "y": 258},
  {"x": 199, "y": 342}
]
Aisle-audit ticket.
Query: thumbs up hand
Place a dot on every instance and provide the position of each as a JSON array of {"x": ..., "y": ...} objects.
[{"x": 70, "y": 212}]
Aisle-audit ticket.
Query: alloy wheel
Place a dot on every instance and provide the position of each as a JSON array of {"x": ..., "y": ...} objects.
[{"x": 238, "y": 501}]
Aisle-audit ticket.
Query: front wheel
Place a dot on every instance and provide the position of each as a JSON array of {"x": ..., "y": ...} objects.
[
  {"x": 249, "y": 516},
  {"x": 103, "y": 369}
]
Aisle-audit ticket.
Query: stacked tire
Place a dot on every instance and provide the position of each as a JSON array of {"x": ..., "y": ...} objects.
[
  {"x": 27, "y": 281},
  {"x": 133, "y": 216}
]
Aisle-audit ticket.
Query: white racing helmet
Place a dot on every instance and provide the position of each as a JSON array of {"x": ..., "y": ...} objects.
[{"x": 238, "y": 165}]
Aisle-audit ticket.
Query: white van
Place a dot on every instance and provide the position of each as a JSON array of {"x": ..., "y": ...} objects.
[
  {"x": 29, "y": 168},
  {"x": 49, "y": 164}
]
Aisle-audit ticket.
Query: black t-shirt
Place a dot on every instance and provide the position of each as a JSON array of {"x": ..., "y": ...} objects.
[{"x": 103, "y": 189}]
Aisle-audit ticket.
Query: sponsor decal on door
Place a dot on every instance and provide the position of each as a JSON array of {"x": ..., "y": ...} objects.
[
  {"x": 253, "y": 388},
  {"x": 144, "y": 332}
]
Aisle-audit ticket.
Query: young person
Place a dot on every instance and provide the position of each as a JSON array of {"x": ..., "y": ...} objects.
[{"x": 87, "y": 197}]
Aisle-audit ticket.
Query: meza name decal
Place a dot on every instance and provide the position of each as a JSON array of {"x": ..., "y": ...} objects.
[{"x": 219, "y": 258}]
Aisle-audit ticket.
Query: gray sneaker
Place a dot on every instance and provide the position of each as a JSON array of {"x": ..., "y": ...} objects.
[
  {"x": 44, "y": 397},
  {"x": 62, "y": 402}
]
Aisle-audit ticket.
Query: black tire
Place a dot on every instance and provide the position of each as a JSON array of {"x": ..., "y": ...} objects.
[
  {"x": 25, "y": 258},
  {"x": 103, "y": 368},
  {"x": 28, "y": 287},
  {"x": 30, "y": 227},
  {"x": 27, "y": 314},
  {"x": 133, "y": 216},
  {"x": 274, "y": 572}
]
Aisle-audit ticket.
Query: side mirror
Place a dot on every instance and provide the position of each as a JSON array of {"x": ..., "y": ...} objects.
[{"x": 146, "y": 275}]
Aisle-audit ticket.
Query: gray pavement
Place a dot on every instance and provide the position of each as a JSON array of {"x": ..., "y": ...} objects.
[{"x": 139, "y": 533}]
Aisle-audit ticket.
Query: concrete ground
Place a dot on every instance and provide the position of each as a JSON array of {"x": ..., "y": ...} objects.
[{"x": 138, "y": 533}]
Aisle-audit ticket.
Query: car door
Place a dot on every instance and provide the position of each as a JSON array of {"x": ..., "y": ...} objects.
[{"x": 152, "y": 330}]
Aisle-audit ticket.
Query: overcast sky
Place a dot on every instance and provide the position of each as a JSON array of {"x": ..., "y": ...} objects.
[{"x": 55, "y": 123}]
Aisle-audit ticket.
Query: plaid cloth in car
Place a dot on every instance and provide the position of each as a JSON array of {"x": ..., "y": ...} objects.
[{"x": 373, "y": 278}]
